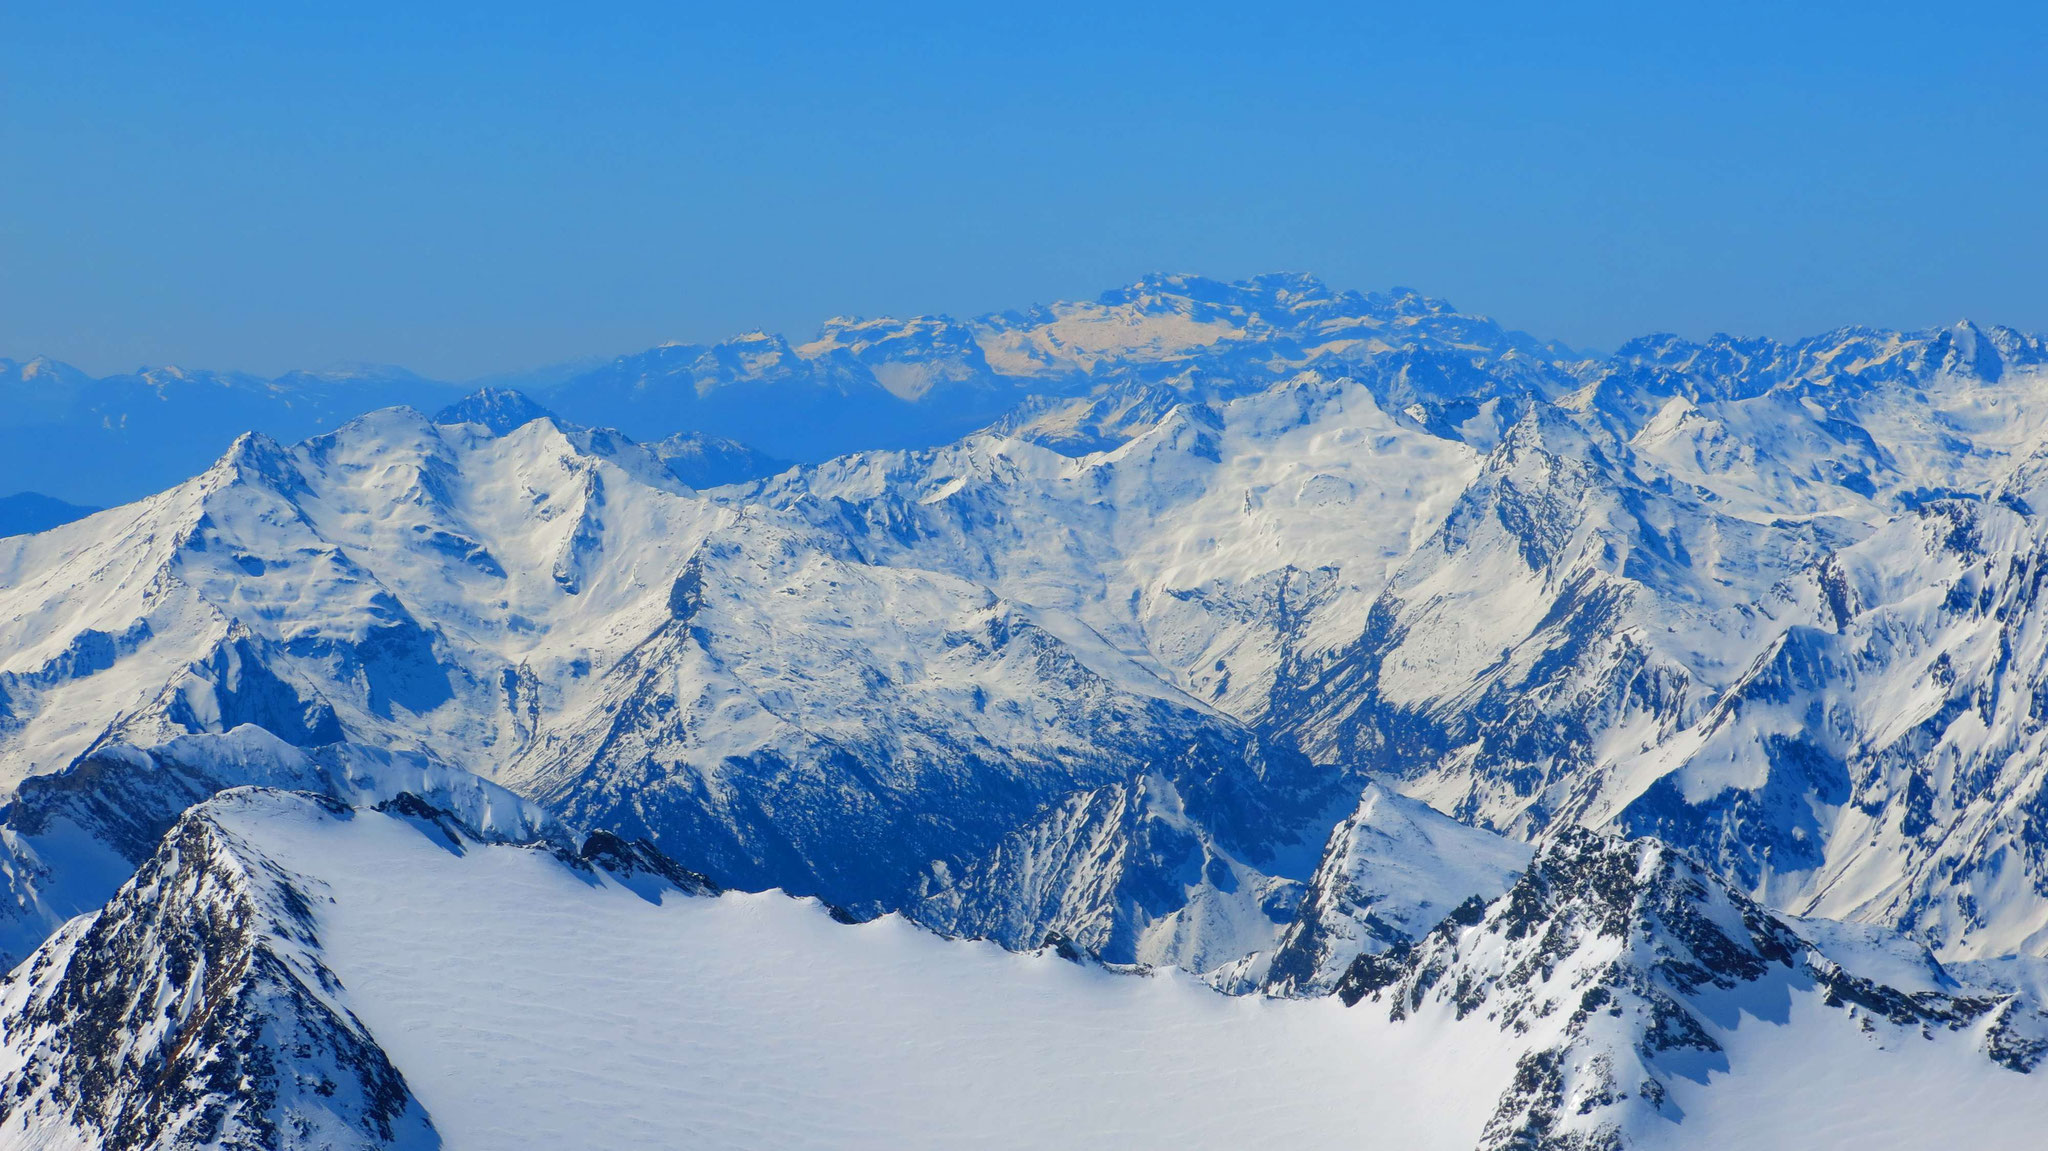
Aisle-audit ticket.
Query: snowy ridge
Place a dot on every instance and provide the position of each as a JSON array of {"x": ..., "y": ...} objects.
[
  {"x": 1252, "y": 629},
  {"x": 196, "y": 1009},
  {"x": 69, "y": 839},
  {"x": 289, "y": 971},
  {"x": 1392, "y": 870},
  {"x": 1621, "y": 967}
]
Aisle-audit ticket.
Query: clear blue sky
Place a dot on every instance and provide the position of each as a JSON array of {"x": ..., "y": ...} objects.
[{"x": 466, "y": 189}]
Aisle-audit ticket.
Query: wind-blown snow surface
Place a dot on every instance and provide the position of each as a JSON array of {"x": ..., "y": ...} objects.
[
  {"x": 293, "y": 972},
  {"x": 1802, "y": 1081},
  {"x": 530, "y": 1011}
]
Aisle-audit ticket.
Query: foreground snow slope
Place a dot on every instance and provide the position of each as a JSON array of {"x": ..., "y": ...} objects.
[
  {"x": 291, "y": 972},
  {"x": 405, "y": 975},
  {"x": 529, "y": 1011}
]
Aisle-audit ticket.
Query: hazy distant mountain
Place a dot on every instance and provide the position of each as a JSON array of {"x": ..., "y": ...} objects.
[
  {"x": 536, "y": 379},
  {"x": 703, "y": 461},
  {"x": 860, "y": 384},
  {"x": 25, "y": 512},
  {"x": 888, "y": 383},
  {"x": 1306, "y": 641},
  {"x": 118, "y": 438}
]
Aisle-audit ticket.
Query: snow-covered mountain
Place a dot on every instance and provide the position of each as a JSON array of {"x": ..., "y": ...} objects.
[
  {"x": 1260, "y": 630},
  {"x": 1094, "y": 371},
  {"x": 1628, "y": 977},
  {"x": 198, "y": 1007},
  {"x": 699, "y": 670},
  {"x": 291, "y": 971},
  {"x": 1369, "y": 535},
  {"x": 1393, "y": 869}
]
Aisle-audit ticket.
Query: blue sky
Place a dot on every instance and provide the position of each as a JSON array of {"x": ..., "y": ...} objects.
[{"x": 468, "y": 189}]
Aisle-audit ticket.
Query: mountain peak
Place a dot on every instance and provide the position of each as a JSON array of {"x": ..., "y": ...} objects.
[
  {"x": 42, "y": 371},
  {"x": 499, "y": 410},
  {"x": 204, "y": 969}
]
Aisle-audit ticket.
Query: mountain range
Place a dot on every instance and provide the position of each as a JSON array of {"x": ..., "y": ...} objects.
[
  {"x": 860, "y": 384},
  {"x": 1624, "y": 729}
]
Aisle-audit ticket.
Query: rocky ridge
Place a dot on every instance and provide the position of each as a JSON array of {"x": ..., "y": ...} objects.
[{"x": 1618, "y": 966}]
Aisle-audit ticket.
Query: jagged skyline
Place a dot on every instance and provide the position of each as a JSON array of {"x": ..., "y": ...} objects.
[
  {"x": 1595, "y": 721},
  {"x": 853, "y": 384}
]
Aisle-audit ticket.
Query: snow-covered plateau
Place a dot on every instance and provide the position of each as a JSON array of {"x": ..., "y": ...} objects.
[{"x": 1285, "y": 717}]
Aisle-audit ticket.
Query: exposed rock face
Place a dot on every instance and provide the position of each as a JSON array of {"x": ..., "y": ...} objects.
[
  {"x": 194, "y": 1011},
  {"x": 73, "y": 837},
  {"x": 641, "y": 866},
  {"x": 1392, "y": 870},
  {"x": 501, "y": 411},
  {"x": 1614, "y": 964},
  {"x": 1193, "y": 865}
]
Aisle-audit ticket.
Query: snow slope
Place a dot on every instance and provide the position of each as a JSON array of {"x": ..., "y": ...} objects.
[
  {"x": 530, "y": 1011},
  {"x": 1631, "y": 982},
  {"x": 399, "y": 974}
]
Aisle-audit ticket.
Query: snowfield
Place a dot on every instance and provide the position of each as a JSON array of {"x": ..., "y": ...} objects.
[
  {"x": 1805, "y": 1081},
  {"x": 529, "y": 1011},
  {"x": 515, "y": 999}
]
